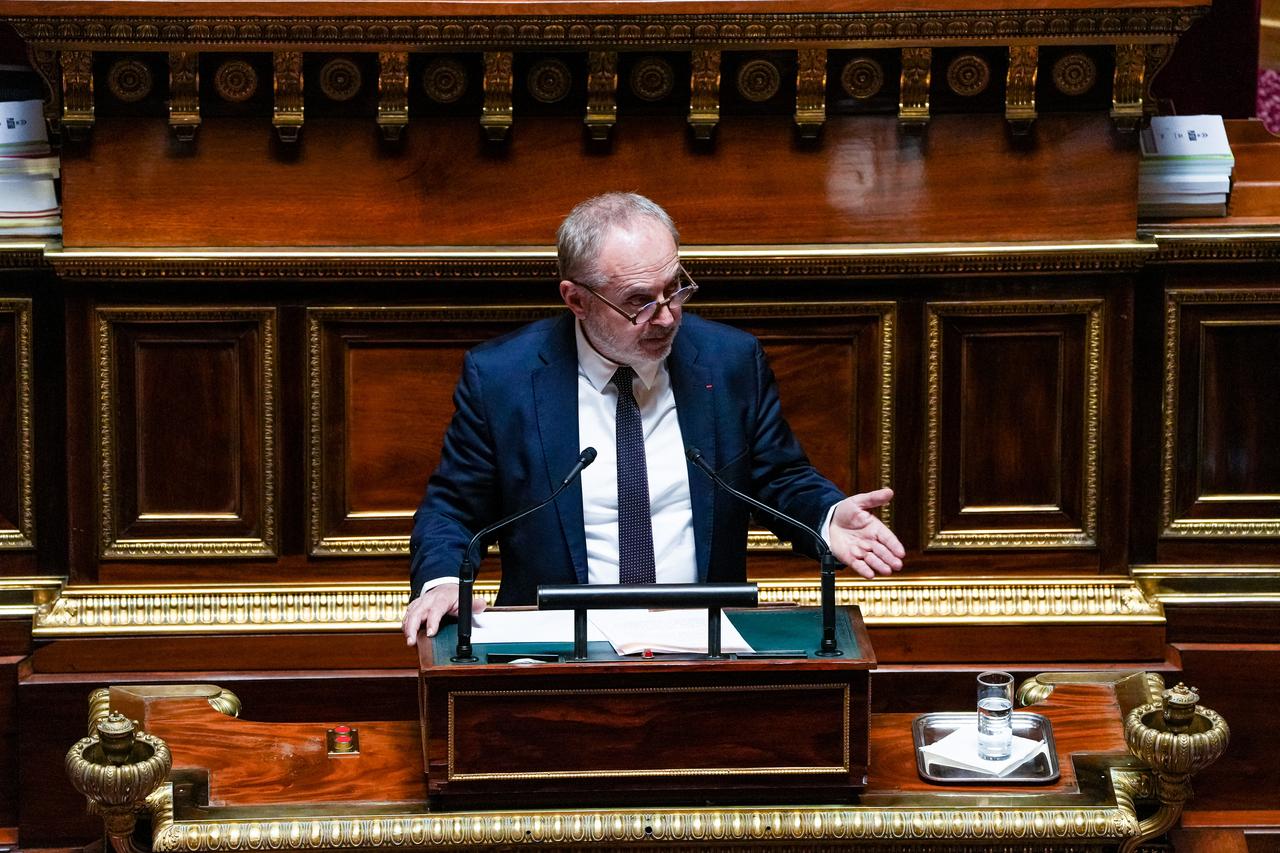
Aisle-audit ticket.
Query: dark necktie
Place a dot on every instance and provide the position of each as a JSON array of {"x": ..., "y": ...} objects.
[{"x": 635, "y": 528}]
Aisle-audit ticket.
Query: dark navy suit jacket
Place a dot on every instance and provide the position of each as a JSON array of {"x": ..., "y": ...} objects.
[{"x": 514, "y": 435}]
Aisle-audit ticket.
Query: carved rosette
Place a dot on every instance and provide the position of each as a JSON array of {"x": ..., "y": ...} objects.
[
  {"x": 129, "y": 80},
  {"x": 758, "y": 80},
  {"x": 1177, "y": 738},
  {"x": 549, "y": 81},
  {"x": 811, "y": 91},
  {"x": 1074, "y": 74},
  {"x": 1127, "y": 90},
  {"x": 913, "y": 98},
  {"x": 968, "y": 75},
  {"x": 287, "y": 111},
  {"x": 184, "y": 94},
  {"x": 704, "y": 97},
  {"x": 444, "y": 80},
  {"x": 652, "y": 79},
  {"x": 117, "y": 768},
  {"x": 340, "y": 79},
  {"x": 235, "y": 81},
  {"x": 393, "y": 93},
  {"x": 862, "y": 78},
  {"x": 496, "y": 114},
  {"x": 1020, "y": 86},
  {"x": 77, "y": 91},
  {"x": 602, "y": 93}
]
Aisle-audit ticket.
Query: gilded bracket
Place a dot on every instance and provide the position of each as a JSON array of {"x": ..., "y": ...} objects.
[
  {"x": 1127, "y": 90},
  {"x": 77, "y": 92},
  {"x": 1020, "y": 87},
  {"x": 811, "y": 91},
  {"x": 602, "y": 93},
  {"x": 913, "y": 101},
  {"x": 286, "y": 116},
  {"x": 496, "y": 115},
  {"x": 704, "y": 99},
  {"x": 184, "y": 94},
  {"x": 393, "y": 94}
]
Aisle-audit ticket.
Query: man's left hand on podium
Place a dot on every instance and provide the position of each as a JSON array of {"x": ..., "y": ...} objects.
[{"x": 860, "y": 540}]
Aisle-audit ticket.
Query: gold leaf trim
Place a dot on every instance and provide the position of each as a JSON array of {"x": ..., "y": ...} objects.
[
  {"x": 291, "y": 608},
  {"x": 1231, "y": 585},
  {"x": 23, "y": 536},
  {"x": 26, "y": 596}
]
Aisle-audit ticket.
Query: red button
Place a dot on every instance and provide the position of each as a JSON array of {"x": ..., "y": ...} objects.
[{"x": 342, "y": 730}]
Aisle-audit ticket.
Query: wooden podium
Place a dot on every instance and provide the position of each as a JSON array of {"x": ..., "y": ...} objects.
[{"x": 672, "y": 728}]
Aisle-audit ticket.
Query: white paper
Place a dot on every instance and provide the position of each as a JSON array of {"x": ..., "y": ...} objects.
[
  {"x": 670, "y": 631},
  {"x": 526, "y": 626},
  {"x": 22, "y": 122},
  {"x": 960, "y": 749},
  {"x": 33, "y": 196},
  {"x": 1187, "y": 136}
]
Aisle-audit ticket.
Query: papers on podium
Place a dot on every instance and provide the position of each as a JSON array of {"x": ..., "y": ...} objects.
[
  {"x": 1186, "y": 167},
  {"x": 630, "y": 632},
  {"x": 28, "y": 201},
  {"x": 960, "y": 749}
]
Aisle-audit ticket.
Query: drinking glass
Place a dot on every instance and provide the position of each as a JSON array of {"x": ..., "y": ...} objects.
[{"x": 995, "y": 715}]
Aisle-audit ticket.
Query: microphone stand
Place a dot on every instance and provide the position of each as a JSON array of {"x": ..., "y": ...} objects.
[
  {"x": 467, "y": 573},
  {"x": 826, "y": 560}
]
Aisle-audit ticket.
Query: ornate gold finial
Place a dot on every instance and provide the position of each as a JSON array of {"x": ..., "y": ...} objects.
[
  {"x": 1177, "y": 738},
  {"x": 117, "y": 768}
]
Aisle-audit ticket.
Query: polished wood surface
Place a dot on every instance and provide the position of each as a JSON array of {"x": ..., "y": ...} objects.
[{"x": 868, "y": 181}]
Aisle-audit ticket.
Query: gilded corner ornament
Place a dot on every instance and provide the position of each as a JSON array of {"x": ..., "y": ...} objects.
[
  {"x": 393, "y": 94},
  {"x": 602, "y": 93},
  {"x": 704, "y": 98},
  {"x": 287, "y": 107},
  {"x": 1020, "y": 87},
  {"x": 77, "y": 92},
  {"x": 913, "y": 98},
  {"x": 811, "y": 91},
  {"x": 184, "y": 94},
  {"x": 496, "y": 114}
]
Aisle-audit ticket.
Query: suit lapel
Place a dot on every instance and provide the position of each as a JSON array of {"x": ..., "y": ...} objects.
[
  {"x": 691, "y": 384},
  {"x": 555, "y": 395}
]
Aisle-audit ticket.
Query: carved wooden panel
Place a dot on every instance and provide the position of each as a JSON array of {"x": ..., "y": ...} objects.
[
  {"x": 381, "y": 383},
  {"x": 380, "y": 395},
  {"x": 17, "y": 516},
  {"x": 186, "y": 425},
  {"x": 1013, "y": 399},
  {"x": 1221, "y": 472}
]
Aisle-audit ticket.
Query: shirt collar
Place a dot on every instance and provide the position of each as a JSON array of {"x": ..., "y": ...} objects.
[{"x": 599, "y": 370}]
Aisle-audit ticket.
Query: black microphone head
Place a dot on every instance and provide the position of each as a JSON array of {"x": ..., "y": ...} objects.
[
  {"x": 693, "y": 454},
  {"x": 587, "y": 456}
]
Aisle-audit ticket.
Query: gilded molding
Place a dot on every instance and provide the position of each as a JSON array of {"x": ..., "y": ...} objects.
[
  {"x": 1210, "y": 245},
  {"x": 1020, "y": 86},
  {"x": 184, "y": 94},
  {"x": 287, "y": 107},
  {"x": 1173, "y": 527},
  {"x": 77, "y": 91},
  {"x": 496, "y": 113},
  {"x": 1245, "y": 585},
  {"x": 22, "y": 536},
  {"x": 28, "y": 595},
  {"x": 851, "y": 29},
  {"x": 1084, "y": 536},
  {"x": 602, "y": 93},
  {"x": 1129, "y": 85},
  {"x": 393, "y": 94},
  {"x": 449, "y": 263},
  {"x": 112, "y": 547},
  {"x": 704, "y": 93},
  {"x": 1133, "y": 687},
  {"x": 913, "y": 94},
  {"x": 811, "y": 91},
  {"x": 287, "y": 608}
]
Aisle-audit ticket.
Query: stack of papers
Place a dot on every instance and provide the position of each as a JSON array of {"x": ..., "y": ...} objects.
[
  {"x": 1186, "y": 167},
  {"x": 630, "y": 632},
  {"x": 960, "y": 749},
  {"x": 28, "y": 167}
]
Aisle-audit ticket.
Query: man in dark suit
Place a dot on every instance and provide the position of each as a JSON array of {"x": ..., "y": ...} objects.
[{"x": 613, "y": 374}]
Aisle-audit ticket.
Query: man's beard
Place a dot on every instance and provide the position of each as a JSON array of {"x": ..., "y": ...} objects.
[{"x": 646, "y": 350}]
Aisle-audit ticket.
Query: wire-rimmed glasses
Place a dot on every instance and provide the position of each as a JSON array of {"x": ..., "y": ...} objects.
[{"x": 650, "y": 310}]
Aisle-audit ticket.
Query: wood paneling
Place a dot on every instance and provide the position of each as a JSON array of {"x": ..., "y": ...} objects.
[
  {"x": 866, "y": 182},
  {"x": 17, "y": 519},
  {"x": 1221, "y": 477},
  {"x": 1013, "y": 424},
  {"x": 187, "y": 432},
  {"x": 380, "y": 398}
]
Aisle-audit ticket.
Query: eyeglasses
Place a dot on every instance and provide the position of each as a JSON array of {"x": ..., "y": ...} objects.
[{"x": 650, "y": 310}]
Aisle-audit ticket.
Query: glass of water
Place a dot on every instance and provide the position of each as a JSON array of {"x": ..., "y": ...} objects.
[{"x": 995, "y": 715}]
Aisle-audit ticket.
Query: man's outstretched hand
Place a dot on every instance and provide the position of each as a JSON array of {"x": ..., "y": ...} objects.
[
  {"x": 860, "y": 540},
  {"x": 425, "y": 612}
]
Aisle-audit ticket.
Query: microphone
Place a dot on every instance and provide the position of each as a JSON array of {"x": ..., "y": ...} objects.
[
  {"x": 467, "y": 572},
  {"x": 826, "y": 559}
]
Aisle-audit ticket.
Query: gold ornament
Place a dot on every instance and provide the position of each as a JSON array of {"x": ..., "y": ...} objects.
[
  {"x": 1075, "y": 74},
  {"x": 862, "y": 78},
  {"x": 759, "y": 80},
  {"x": 549, "y": 81},
  {"x": 235, "y": 81},
  {"x": 968, "y": 75},
  {"x": 652, "y": 79},
  {"x": 444, "y": 80},
  {"x": 340, "y": 79},
  {"x": 129, "y": 80}
]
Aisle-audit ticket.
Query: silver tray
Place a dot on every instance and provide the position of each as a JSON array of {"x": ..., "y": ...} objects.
[{"x": 1040, "y": 768}]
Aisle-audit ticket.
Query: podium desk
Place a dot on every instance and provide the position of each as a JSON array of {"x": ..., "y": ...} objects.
[{"x": 237, "y": 784}]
